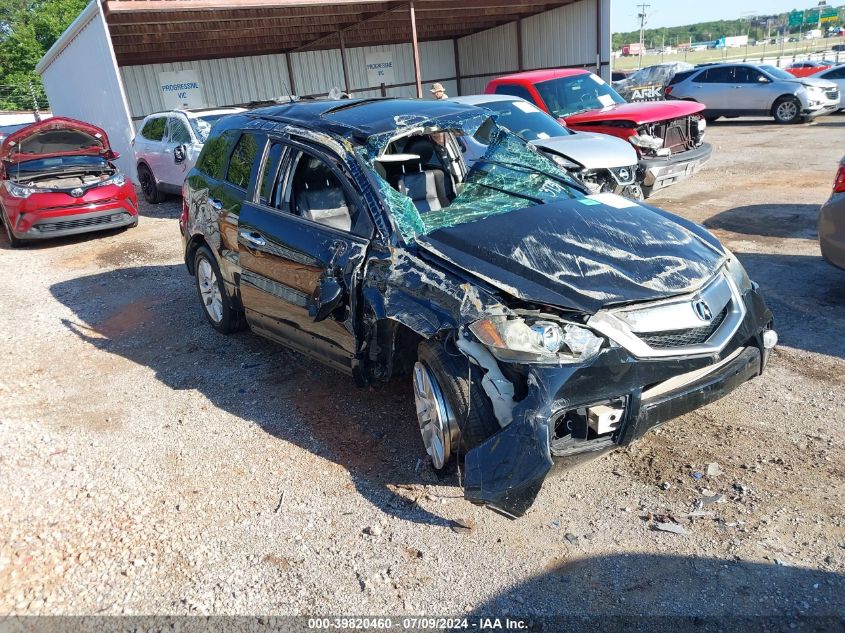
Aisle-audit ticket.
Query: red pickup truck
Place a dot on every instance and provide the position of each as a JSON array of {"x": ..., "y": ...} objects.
[{"x": 668, "y": 135}]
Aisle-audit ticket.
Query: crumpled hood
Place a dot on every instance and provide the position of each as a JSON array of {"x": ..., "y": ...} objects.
[
  {"x": 640, "y": 113},
  {"x": 57, "y": 136},
  {"x": 816, "y": 81},
  {"x": 582, "y": 254},
  {"x": 593, "y": 151}
]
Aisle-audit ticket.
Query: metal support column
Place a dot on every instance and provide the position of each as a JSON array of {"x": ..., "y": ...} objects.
[
  {"x": 457, "y": 65},
  {"x": 343, "y": 61},
  {"x": 520, "y": 61},
  {"x": 416, "y": 46},
  {"x": 292, "y": 86}
]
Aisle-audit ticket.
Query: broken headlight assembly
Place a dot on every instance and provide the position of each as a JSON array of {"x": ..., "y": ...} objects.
[
  {"x": 537, "y": 340},
  {"x": 646, "y": 141},
  {"x": 737, "y": 273}
]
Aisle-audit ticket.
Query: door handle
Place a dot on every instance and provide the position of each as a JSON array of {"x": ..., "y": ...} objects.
[
  {"x": 253, "y": 238},
  {"x": 216, "y": 204}
]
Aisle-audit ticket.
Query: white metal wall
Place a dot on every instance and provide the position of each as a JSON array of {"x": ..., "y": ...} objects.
[
  {"x": 565, "y": 36},
  {"x": 82, "y": 82},
  {"x": 244, "y": 79}
]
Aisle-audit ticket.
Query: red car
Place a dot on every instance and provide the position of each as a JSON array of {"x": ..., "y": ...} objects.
[
  {"x": 807, "y": 68},
  {"x": 57, "y": 178},
  {"x": 668, "y": 135}
]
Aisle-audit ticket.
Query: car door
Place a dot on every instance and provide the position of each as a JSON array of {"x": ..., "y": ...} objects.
[
  {"x": 714, "y": 88},
  {"x": 753, "y": 90},
  {"x": 150, "y": 150},
  {"x": 302, "y": 240},
  {"x": 174, "y": 165}
]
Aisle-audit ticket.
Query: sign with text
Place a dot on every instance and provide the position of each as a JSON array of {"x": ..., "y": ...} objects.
[
  {"x": 181, "y": 89},
  {"x": 379, "y": 68}
]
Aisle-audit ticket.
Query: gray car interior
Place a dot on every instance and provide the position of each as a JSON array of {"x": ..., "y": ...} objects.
[{"x": 318, "y": 196}]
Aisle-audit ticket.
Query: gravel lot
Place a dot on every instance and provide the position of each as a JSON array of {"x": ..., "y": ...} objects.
[{"x": 150, "y": 465}]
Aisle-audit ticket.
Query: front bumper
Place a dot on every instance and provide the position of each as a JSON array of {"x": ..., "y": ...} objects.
[
  {"x": 74, "y": 224},
  {"x": 658, "y": 173},
  {"x": 832, "y": 230},
  {"x": 507, "y": 471},
  {"x": 825, "y": 107}
]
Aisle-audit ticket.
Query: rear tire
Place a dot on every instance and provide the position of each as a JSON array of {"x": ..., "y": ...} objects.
[
  {"x": 149, "y": 188},
  {"x": 469, "y": 410},
  {"x": 787, "y": 110},
  {"x": 211, "y": 290}
]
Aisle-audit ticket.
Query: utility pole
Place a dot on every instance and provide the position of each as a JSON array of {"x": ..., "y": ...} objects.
[{"x": 643, "y": 15}]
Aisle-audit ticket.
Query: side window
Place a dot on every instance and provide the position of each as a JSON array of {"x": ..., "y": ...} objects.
[
  {"x": 314, "y": 192},
  {"x": 836, "y": 73},
  {"x": 153, "y": 129},
  {"x": 240, "y": 165},
  {"x": 212, "y": 160},
  {"x": 179, "y": 131},
  {"x": 722, "y": 75},
  {"x": 746, "y": 75},
  {"x": 515, "y": 91},
  {"x": 269, "y": 175}
]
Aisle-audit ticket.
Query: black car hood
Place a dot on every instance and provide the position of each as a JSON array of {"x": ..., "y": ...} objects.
[{"x": 582, "y": 255}]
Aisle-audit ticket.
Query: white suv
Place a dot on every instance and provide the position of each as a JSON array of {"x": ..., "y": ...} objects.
[{"x": 167, "y": 146}]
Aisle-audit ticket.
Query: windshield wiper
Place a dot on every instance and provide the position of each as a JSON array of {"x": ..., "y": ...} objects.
[
  {"x": 517, "y": 167},
  {"x": 512, "y": 193}
]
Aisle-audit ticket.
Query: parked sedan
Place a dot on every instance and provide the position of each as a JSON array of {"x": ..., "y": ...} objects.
[
  {"x": 807, "y": 68},
  {"x": 603, "y": 163},
  {"x": 534, "y": 322},
  {"x": 734, "y": 90},
  {"x": 167, "y": 146},
  {"x": 832, "y": 222},
  {"x": 668, "y": 137},
  {"x": 58, "y": 179}
]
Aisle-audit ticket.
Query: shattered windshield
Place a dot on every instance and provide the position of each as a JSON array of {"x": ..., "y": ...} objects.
[
  {"x": 566, "y": 96},
  {"x": 424, "y": 181}
]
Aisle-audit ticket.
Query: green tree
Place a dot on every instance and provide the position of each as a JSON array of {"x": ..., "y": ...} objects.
[{"x": 28, "y": 28}]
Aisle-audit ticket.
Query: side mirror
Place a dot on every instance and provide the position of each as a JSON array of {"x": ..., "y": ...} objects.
[
  {"x": 326, "y": 299},
  {"x": 179, "y": 154}
]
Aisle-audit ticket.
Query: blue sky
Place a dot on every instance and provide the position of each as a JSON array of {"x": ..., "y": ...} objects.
[{"x": 679, "y": 12}]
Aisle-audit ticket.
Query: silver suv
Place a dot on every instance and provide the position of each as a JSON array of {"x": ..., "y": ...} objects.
[
  {"x": 167, "y": 146},
  {"x": 734, "y": 90}
]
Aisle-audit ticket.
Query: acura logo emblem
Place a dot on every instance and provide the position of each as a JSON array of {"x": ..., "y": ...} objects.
[
  {"x": 702, "y": 310},
  {"x": 76, "y": 193}
]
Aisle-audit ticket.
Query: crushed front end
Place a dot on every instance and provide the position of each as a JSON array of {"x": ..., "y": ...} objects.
[{"x": 657, "y": 361}]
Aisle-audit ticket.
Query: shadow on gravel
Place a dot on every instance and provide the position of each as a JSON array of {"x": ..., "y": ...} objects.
[
  {"x": 640, "y": 592},
  {"x": 807, "y": 297},
  {"x": 150, "y": 315},
  {"x": 769, "y": 220},
  {"x": 37, "y": 245}
]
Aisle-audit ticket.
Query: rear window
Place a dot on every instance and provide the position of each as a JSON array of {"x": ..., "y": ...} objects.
[
  {"x": 153, "y": 129},
  {"x": 242, "y": 160},
  {"x": 212, "y": 160}
]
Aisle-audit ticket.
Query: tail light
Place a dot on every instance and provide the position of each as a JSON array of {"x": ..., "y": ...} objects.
[
  {"x": 668, "y": 90},
  {"x": 839, "y": 182},
  {"x": 183, "y": 219}
]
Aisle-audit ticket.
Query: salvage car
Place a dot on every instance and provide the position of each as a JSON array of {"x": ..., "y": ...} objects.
[
  {"x": 58, "y": 178},
  {"x": 647, "y": 84},
  {"x": 536, "y": 322},
  {"x": 837, "y": 76},
  {"x": 807, "y": 68},
  {"x": 668, "y": 136},
  {"x": 735, "y": 90},
  {"x": 167, "y": 145},
  {"x": 603, "y": 163},
  {"x": 832, "y": 222}
]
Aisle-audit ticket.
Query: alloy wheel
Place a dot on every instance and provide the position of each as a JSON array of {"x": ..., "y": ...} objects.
[
  {"x": 209, "y": 291},
  {"x": 787, "y": 111},
  {"x": 438, "y": 426}
]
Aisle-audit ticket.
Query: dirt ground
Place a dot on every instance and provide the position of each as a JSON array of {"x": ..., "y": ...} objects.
[{"x": 150, "y": 465}]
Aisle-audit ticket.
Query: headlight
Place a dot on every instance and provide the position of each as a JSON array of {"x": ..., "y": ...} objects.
[
  {"x": 645, "y": 141},
  {"x": 737, "y": 272},
  {"x": 537, "y": 340},
  {"x": 17, "y": 191},
  {"x": 702, "y": 125},
  {"x": 118, "y": 180}
]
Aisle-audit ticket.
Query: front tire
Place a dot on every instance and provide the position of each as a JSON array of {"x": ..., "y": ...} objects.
[
  {"x": 453, "y": 414},
  {"x": 787, "y": 110},
  {"x": 14, "y": 242},
  {"x": 211, "y": 290},
  {"x": 149, "y": 188}
]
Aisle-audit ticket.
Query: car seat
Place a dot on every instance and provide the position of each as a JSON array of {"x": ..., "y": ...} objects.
[
  {"x": 421, "y": 181},
  {"x": 322, "y": 199}
]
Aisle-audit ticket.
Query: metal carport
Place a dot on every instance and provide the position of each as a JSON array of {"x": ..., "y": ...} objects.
[{"x": 108, "y": 67}]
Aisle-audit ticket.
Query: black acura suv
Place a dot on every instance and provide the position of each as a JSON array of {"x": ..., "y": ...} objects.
[{"x": 537, "y": 323}]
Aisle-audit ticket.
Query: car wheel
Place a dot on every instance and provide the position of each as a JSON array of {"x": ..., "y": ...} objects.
[
  {"x": 453, "y": 415},
  {"x": 787, "y": 110},
  {"x": 211, "y": 290},
  {"x": 149, "y": 188},
  {"x": 14, "y": 242}
]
